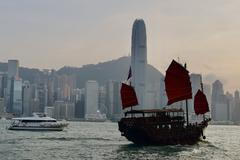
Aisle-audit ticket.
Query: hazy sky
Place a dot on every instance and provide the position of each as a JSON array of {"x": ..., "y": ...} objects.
[{"x": 55, "y": 33}]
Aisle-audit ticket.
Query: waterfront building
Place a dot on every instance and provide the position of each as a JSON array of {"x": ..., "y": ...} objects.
[
  {"x": 91, "y": 99},
  {"x": 196, "y": 80},
  {"x": 27, "y": 96},
  {"x": 221, "y": 104},
  {"x": 13, "y": 68},
  {"x": 34, "y": 100},
  {"x": 3, "y": 84},
  {"x": 16, "y": 97},
  {"x": 217, "y": 94},
  {"x": 70, "y": 111},
  {"x": 109, "y": 98},
  {"x": 236, "y": 108},
  {"x": 222, "y": 109},
  {"x": 12, "y": 75},
  {"x": 42, "y": 93},
  {"x": 79, "y": 103},
  {"x": 2, "y": 109},
  {"x": 80, "y": 108},
  {"x": 208, "y": 92},
  {"x": 50, "y": 89},
  {"x": 49, "y": 110},
  {"x": 64, "y": 110},
  {"x": 230, "y": 105},
  {"x": 75, "y": 95},
  {"x": 117, "y": 106},
  {"x": 34, "y": 105},
  {"x": 102, "y": 99},
  {"x": 113, "y": 100},
  {"x": 59, "y": 110},
  {"x": 65, "y": 85}
]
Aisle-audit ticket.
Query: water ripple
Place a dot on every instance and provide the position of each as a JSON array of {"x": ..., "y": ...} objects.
[{"x": 83, "y": 140}]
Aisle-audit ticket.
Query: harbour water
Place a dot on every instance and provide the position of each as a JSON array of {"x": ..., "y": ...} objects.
[{"x": 90, "y": 140}]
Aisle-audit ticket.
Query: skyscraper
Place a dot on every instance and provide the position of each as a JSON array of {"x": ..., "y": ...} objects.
[
  {"x": 17, "y": 97},
  {"x": 196, "y": 80},
  {"x": 217, "y": 93},
  {"x": 91, "y": 99},
  {"x": 236, "y": 108},
  {"x": 13, "y": 66},
  {"x": 113, "y": 100},
  {"x": 26, "y": 93},
  {"x": 2, "y": 110},
  {"x": 42, "y": 96},
  {"x": 13, "y": 95},
  {"x": 3, "y": 84},
  {"x": 80, "y": 104},
  {"x": 139, "y": 60}
]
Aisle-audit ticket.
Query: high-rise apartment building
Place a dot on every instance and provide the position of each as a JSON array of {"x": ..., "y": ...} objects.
[
  {"x": 27, "y": 96},
  {"x": 13, "y": 68},
  {"x": 217, "y": 95},
  {"x": 91, "y": 99},
  {"x": 17, "y": 97},
  {"x": 13, "y": 85}
]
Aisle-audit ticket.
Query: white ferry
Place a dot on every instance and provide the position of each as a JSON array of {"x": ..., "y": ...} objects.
[{"x": 38, "y": 122}]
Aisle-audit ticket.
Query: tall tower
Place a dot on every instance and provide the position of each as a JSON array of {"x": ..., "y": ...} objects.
[
  {"x": 13, "y": 66},
  {"x": 139, "y": 60}
]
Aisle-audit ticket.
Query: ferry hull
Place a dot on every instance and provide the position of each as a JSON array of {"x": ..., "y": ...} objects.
[{"x": 35, "y": 129}]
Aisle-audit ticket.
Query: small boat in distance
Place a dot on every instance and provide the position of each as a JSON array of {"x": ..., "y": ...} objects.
[
  {"x": 38, "y": 122},
  {"x": 165, "y": 126}
]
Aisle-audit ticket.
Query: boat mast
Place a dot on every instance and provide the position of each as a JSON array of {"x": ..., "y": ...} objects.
[
  {"x": 130, "y": 83},
  {"x": 203, "y": 92},
  {"x": 129, "y": 78},
  {"x": 185, "y": 66}
]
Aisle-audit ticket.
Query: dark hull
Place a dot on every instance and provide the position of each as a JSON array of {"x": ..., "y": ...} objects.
[{"x": 144, "y": 132}]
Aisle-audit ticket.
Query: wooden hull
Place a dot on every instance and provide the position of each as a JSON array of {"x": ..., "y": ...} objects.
[{"x": 147, "y": 132}]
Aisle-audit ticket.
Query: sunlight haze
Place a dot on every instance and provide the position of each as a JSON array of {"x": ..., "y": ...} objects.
[{"x": 52, "y": 34}]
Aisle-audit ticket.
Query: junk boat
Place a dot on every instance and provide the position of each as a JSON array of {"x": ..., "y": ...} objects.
[
  {"x": 167, "y": 126},
  {"x": 38, "y": 122}
]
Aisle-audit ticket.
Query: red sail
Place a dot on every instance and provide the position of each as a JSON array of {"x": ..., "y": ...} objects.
[
  {"x": 177, "y": 83},
  {"x": 128, "y": 96},
  {"x": 200, "y": 103}
]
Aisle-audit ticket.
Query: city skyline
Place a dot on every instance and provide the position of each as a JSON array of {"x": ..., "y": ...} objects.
[{"x": 46, "y": 35}]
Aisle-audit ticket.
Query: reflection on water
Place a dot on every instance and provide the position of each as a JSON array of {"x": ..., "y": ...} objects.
[{"x": 89, "y": 140}]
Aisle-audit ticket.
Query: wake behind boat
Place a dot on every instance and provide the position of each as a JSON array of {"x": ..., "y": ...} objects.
[{"x": 38, "y": 122}]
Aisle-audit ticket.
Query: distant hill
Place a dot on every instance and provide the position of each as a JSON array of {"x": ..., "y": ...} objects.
[
  {"x": 110, "y": 70},
  {"x": 101, "y": 72},
  {"x": 30, "y": 74}
]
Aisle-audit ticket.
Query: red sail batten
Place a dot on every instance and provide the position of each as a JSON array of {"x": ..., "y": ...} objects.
[
  {"x": 128, "y": 96},
  {"x": 200, "y": 103},
  {"x": 177, "y": 83}
]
